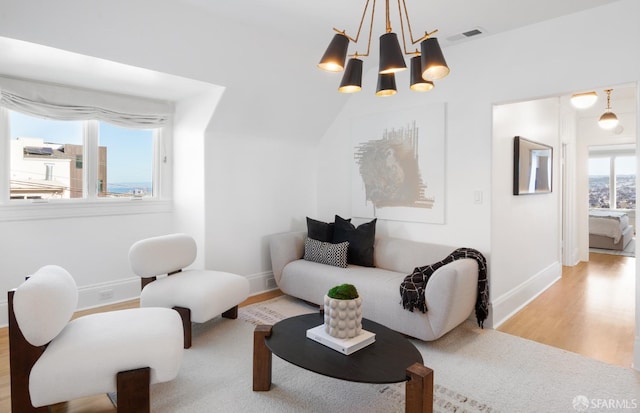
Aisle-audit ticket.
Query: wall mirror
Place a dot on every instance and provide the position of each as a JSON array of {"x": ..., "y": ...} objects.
[{"x": 532, "y": 167}]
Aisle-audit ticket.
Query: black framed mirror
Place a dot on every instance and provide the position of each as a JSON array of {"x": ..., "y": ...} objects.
[{"x": 532, "y": 167}]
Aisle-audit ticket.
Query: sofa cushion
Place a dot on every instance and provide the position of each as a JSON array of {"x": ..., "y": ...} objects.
[
  {"x": 361, "y": 240},
  {"x": 321, "y": 231},
  {"x": 326, "y": 253}
]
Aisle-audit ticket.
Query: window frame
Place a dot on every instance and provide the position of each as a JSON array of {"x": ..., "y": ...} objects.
[{"x": 90, "y": 204}]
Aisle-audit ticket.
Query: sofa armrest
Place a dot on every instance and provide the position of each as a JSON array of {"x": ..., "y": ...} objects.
[
  {"x": 451, "y": 294},
  {"x": 285, "y": 248}
]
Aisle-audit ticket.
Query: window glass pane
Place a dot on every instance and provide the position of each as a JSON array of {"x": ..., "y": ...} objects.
[
  {"x": 625, "y": 167},
  {"x": 599, "y": 170},
  {"x": 125, "y": 162},
  {"x": 43, "y": 160}
]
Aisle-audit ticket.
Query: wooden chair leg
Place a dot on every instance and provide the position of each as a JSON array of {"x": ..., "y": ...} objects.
[
  {"x": 22, "y": 357},
  {"x": 133, "y": 391},
  {"x": 419, "y": 389},
  {"x": 231, "y": 313},
  {"x": 262, "y": 359},
  {"x": 185, "y": 315}
]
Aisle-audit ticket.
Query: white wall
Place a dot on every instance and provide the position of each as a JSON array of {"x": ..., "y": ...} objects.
[{"x": 525, "y": 246}]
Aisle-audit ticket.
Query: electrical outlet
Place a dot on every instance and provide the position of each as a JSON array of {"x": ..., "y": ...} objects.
[{"x": 105, "y": 294}]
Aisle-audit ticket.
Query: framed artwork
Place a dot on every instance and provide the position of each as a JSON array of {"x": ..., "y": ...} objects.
[{"x": 399, "y": 165}]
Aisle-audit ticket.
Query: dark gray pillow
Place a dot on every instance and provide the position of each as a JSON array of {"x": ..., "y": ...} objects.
[
  {"x": 321, "y": 231},
  {"x": 326, "y": 252},
  {"x": 361, "y": 240}
]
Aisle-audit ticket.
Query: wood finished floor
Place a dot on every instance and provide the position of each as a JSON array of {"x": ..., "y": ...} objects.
[{"x": 590, "y": 311}]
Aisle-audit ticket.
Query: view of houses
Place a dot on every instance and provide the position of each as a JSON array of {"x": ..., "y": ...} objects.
[{"x": 625, "y": 192}]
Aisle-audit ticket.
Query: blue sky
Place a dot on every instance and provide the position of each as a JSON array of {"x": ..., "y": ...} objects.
[{"x": 129, "y": 153}]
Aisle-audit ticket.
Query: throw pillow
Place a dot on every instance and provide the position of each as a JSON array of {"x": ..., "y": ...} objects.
[
  {"x": 319, "y": 230},
  {"x": 326, "y": 252},
  {"x": 361, "y": 240}
]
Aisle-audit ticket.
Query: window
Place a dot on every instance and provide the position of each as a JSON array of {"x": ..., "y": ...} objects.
[
  {"x": 125, "y": 161},
  {"x": 46, "y": 160},
  {"x": 612, "y": 179},
  {"x": 81, "y": 152},
  {"x": 41, "y": 154}
]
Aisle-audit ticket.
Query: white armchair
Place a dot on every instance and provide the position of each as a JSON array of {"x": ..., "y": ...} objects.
[
  {"x": 197, "y": 295},
  {"x": 53, "y": 360}
]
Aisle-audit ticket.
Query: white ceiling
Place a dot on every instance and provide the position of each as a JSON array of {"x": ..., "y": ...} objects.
[{"x": 311, "y": 22}]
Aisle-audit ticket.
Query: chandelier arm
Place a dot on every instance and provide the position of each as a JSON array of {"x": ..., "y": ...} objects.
[
  {"x": 373, "y": 11},
  {"x": 364, "y": 12}
]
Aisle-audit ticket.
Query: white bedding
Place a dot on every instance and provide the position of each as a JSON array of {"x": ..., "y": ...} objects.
[{"x": 608, "y": 223}]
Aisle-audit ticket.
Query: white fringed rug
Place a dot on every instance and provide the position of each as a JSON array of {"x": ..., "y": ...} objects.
[{"x": 475, "y": 371}]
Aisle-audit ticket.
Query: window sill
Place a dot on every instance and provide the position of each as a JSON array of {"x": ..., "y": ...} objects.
[{"x": 37, "y": 210}]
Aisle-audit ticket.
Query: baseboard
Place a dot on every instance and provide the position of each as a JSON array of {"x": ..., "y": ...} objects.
[
  {"x": 505, "y": 306},
  {"x": 96, "y": 295},
  {"x": 261, "y": 282}
]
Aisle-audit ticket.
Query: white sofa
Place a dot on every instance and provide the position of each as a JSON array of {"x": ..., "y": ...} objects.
[{"x": 450, "y": 294}]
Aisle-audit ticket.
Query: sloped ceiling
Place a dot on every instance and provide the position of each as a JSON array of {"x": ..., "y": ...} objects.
[{"x": 305, "y": 29}]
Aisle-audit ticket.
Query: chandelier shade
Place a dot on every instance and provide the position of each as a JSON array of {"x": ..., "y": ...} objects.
[
  {"x": 386, "y": 84},
  {"x": 427, "y": 60},
  {"x": 335, "y": 55},
  {"x": 608, "y": 120},
  {"x": 352, "y": 78},
  {"x": 434, "y": 67},
  {"x": 391, "y": 59},
  {"x": 417, "y": 83}
]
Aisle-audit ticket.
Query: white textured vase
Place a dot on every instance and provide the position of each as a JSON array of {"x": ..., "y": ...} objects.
[{"x": 343, "y": 318}]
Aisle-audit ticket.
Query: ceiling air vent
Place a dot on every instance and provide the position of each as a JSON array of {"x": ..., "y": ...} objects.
[{"x": 476, "y": 31}]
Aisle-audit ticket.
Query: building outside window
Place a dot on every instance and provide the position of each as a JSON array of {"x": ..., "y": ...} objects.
[{"x": 612, "y": 179}]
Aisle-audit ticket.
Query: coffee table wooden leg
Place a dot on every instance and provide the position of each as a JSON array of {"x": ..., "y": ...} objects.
[
  {"x": 261, "y": 359},
  {"x": 419, "y": 389}
]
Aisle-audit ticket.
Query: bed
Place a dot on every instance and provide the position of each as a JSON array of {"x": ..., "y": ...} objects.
[{"x": 609, "y": 229}]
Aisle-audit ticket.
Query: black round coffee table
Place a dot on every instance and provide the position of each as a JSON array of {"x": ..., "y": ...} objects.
[{"x": 390, "y": 359}]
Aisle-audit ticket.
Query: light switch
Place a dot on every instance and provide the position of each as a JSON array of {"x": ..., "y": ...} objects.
[{"x": 477, "y": 197}]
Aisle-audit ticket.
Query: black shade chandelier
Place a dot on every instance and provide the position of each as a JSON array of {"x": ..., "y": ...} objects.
[{"x": 427, "y": 64}]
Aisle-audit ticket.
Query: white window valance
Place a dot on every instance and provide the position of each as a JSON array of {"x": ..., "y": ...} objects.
[{"x": 68, "y": 103}]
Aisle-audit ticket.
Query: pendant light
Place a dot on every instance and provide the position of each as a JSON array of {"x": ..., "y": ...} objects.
[
  {"x": 608, "y": 120},
  {"x": 427, "y": 63}
]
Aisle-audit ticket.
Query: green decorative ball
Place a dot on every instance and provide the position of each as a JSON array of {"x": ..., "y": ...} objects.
[{"x": 343, "y": 292}]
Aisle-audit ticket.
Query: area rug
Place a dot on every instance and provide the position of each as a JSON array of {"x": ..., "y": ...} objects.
[{"x": 475, "y": 371}]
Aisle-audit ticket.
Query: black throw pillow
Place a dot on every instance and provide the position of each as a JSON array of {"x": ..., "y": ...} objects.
[
  {"x": 361, "y": 240},
  {"x": 320, "y": 231}
]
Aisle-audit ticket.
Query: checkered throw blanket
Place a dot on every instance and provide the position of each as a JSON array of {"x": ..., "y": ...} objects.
[{"x": 414, "y": 284}]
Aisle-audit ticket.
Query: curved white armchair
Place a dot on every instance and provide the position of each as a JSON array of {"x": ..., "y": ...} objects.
[
  {"x": 53, "y": 360},
  {"x": 197, "y": 295}
]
